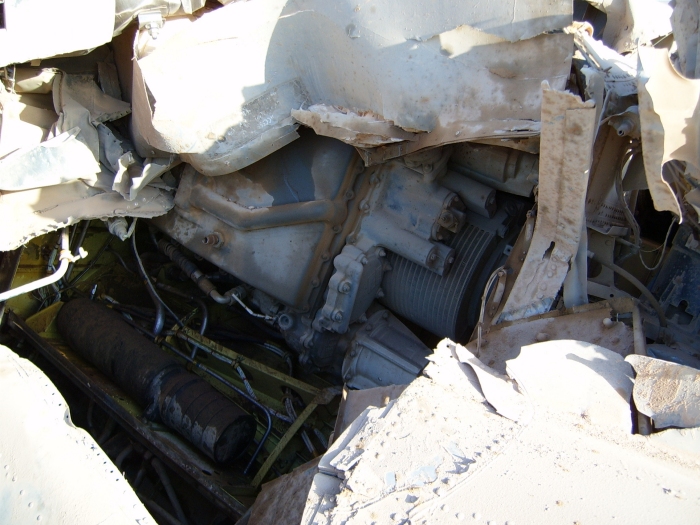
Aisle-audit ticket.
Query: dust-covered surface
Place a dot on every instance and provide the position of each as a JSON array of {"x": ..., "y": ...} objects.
[
  {"x": 596, "y": 326},
  {"x": 51, "y": 471},
  {"x": 427, "y": 75},
  {"x": 44, "y": 28},
  {"x": 568, "y": 131},
  {"x": 670, "y": 124},
  {"x": 282, "y": 501},
  {"x": 667, "y": 392},
  {"x": 440, "y": 453}
]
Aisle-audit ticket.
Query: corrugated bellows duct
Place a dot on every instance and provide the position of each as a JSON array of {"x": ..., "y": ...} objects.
[{"x": 180, "y": 399}]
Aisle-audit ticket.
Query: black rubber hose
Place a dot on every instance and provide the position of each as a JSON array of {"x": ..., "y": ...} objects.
[
  {"x": 157, "y": 301},
  {"x": 204, "y": 311}
]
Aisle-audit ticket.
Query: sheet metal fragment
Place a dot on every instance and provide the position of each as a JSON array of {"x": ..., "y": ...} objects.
[
  {"x": 576, "y": 380},
  {"x": 669, "y": 110},
  {"x": 298, "y": 54},
  {"x": 55, "y": 161},
  {"x": 667, "y": 392},
  {"x": 568, "y": 127},
  {"x": 44, "y": 28}
]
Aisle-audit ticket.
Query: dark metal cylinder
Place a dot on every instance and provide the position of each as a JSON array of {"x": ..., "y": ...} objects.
[
  {"x": 447, "y": 306},
  {"x": 183, "y": 401}
]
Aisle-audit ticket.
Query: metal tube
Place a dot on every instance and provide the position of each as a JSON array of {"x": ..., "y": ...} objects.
[
  {"x": 225, "y": 359},
  {"x": 244, "y": 219},
  {"x": 637, "y": 284},
  {"x": 123, "y": 455},
  {"x": 159, "y": 303},
  {"x": 200, "y": 303},
  {"x": 165, "y": 480},
  {"x": 76, "y": 248},
  {"x": 154, "y": 508},
  {"x": 65, "y": 258},
  {"x": 640, "y": 348}
]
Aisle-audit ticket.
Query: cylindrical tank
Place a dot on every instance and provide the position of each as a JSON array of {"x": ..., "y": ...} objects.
[{"x": 183, "y": 401}]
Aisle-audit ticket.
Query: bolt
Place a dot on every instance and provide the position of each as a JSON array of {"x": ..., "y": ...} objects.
[
  {"x": 349, "y": 194},
  {"x": 608, "y": 323},
  {"x": 542, "y": 337},
  {"x": 380, "y": 293},
  {"x": 325, "y": 256},
  {"x": 450, "y": 260},
  {"x": 336, "y": 228},
  {"x": 364, "y": 261},
  {"x": 381, "y": 253},
  {"x": 213, "y": 239},
  {"x": 338, "y": 315},
  {"x": 344, "y": 287},
  {"x": 315, "y": 283},
  {"x": 432, "y": 257},
  {"x": 364, "y": 206}
]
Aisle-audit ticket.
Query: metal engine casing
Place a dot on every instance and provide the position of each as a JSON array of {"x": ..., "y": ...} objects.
[{"x": 314, "y": 234}]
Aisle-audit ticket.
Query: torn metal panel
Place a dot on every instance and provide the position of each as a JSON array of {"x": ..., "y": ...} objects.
[
  {"x": 568, "y": 127},
  {"x": 354, "y": 402},
  {"x": 359, "y": 130},
  {"x": 282, "y": 501},
  {"x": 49, "y": 464},
  {"x": 445, "y": 82},
  {"x": 619, "y": 71},
  {"x": 152, "y": 169},
  {"x": 669, "y": 110},
  {"x": 685, "y": 21},
  {"x": 33, "y": 80},
  {"x": 577, "y": 380},
  {"x": 591, "y": 323},
  {"x": 37, "y": 29},
  {"x": 32, "y": 212},
  {"x": 633, "y": 22},
  {"x": 396, "y": 20},
  {"x": 668, "y": 393},
  {"x": 55, "y": 161},
  {"x": 499, "y": 390},
  {"x": 84, "y": 91},
  {"x": 23, "y": 122},
  {"x": 436, "y": 454}
]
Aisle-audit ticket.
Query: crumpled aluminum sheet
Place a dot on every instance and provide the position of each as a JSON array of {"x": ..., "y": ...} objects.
[
  {"x": 669, "y": 111},
  {"x": 38, "y": 29},
  {"x": 30, "y": 213},
  {"x": 220, "y": 90}
]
